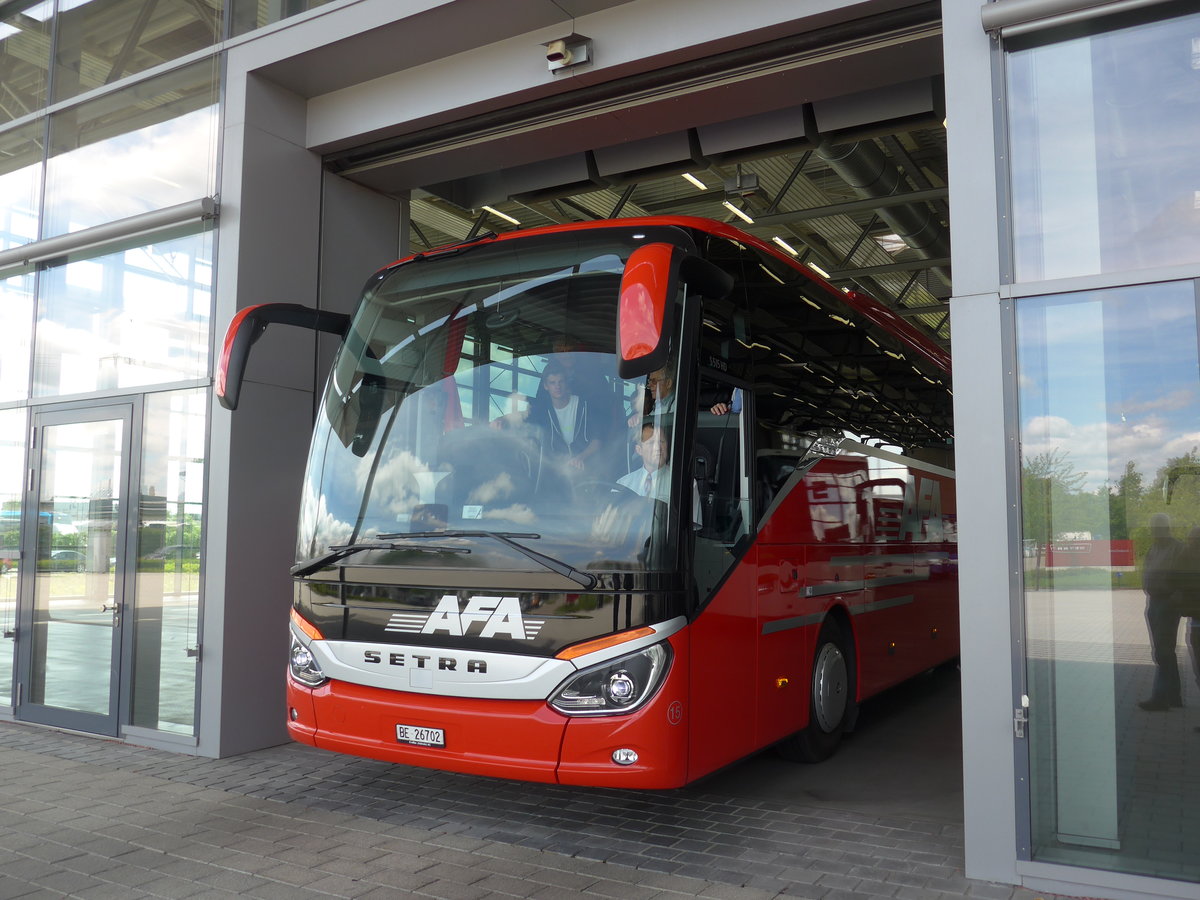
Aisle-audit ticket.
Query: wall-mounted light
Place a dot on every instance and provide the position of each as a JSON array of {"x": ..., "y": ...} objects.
[{"x": 568, "y": 51}]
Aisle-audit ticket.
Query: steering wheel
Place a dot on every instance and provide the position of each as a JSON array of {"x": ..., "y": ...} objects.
[{"x": 599, "y": 489}]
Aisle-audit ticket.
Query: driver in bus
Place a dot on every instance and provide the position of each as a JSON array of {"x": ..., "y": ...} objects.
[{"x": 653, "y": 479}]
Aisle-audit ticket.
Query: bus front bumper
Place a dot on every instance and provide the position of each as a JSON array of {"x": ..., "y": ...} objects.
[{"x": 525, "y": 740}]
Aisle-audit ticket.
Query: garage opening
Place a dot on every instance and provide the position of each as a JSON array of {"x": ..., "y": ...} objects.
[{"x": 853, "y": 185}]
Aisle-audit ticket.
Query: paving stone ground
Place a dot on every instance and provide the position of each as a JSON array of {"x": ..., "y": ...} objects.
[{"x": 89, "y": 818}]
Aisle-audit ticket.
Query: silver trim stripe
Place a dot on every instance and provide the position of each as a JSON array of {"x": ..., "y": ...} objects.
[
  {"x": 793, "y": 622},
  {"x": 857, "y": 609},
  {"x": 532, "y": 627},
  {"x": 932, "y": 556},
  {"x": 840, "y": 587},
  {"x": 897, "y": 579},
  {"x": 409, "y": 623}
]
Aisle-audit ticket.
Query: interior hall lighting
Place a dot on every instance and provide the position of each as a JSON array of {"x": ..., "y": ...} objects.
[
  {"x": 785, "y": 245},
  {"x": 500, "y": 215},
  {"x": 819, "y": 270},
  {"x": 700, "y": 185},
  {"x": 737, "y": 212}
]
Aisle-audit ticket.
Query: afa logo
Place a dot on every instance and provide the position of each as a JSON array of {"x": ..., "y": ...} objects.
[{"x": 483, "y": 616}]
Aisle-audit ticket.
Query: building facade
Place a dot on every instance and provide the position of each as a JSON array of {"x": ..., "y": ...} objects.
[{"x": 165, "y": 164}]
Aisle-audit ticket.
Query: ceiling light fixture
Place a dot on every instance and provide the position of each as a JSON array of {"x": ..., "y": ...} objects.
[
  {"x": 785, "y": 245},
  {"x": 700, "y": 185},
  {"x": 819, "y": 270},
  {"x": 500, "y": 215},
  {"x": 737, "y": 212}
]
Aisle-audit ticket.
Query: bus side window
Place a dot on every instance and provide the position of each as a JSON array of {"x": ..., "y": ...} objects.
[{"x": 722, "y": 480}]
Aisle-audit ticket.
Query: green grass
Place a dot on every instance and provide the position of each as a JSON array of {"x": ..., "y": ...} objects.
[{"x": 1080, "y": 579}]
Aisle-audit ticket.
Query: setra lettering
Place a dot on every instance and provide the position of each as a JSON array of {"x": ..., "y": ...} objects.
[{"x": 419, "y": 661}]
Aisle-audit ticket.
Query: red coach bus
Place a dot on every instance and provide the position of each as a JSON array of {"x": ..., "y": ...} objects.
[{"x": 607, "y": 504}]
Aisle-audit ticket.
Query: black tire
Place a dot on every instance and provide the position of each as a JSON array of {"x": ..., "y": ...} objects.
[{"x": 832, "y": 707}]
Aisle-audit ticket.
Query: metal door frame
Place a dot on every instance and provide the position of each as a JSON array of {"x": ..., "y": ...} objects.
[{"x": 129, "y": 412}]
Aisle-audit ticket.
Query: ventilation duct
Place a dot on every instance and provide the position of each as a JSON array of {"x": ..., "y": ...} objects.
[{"x": 863, "y": 166}]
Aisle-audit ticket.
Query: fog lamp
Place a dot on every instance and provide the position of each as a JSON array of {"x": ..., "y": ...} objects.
[{"x": 625, "y": 756}]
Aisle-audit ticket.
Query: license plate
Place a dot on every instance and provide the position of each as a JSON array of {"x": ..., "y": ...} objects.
[{"x": 422, "y": 737}]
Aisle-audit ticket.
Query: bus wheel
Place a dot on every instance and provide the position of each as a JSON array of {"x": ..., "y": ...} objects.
[{"x": 832, "y": 708}]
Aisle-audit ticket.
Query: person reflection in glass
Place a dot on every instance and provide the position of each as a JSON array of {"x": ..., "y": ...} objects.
[
  {"x": 1161, "y": 582},
  {"x": 1189, "y": 598}
]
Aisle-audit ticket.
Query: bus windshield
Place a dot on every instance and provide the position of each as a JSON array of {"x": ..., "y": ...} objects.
[{"x": 476, "y": 395}]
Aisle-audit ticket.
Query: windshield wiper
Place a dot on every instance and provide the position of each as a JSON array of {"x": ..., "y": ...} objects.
[
  {"x": 584, "y": 579},
  {"x": 340, "y": 551}
]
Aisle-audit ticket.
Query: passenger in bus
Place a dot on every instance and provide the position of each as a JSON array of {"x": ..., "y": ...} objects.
[
  {"x": 566, "y": 419},
  {"x": 733, "y": 404},
  {"x": 653, "y": 479},
  {"x": 1160, "y": 581},
  {"x": 657, "y": 399},
  {"x": 587, "y": 380}
]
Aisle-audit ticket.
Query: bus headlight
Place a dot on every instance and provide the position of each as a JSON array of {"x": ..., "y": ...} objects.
[
  {"x": 304, "y": 666},
  {"x": 620, "y": 685}
]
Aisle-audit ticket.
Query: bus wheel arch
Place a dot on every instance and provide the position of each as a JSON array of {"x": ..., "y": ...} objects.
[{"x": 833, "y": 707}]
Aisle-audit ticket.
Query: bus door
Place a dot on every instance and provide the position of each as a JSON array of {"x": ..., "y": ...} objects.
[{"x": 724, "y": 637}]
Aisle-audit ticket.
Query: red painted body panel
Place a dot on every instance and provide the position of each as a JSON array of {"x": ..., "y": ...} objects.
[
  {"x": 724, "y": 646},
  {"x": 524, "y": 740},
  {"x": 506, "y": 738},
  {"x": 787, "y": 626},
  {"x": 658, "y": 732}
]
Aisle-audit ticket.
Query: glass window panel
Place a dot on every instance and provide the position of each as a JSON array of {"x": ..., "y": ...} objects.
[
  {"x": 1103, "y": 131},
  {"x": 16, "y": 333},
  {"x": 1109, "y": 406},
  {"x": 24, "y": 57},
  {"x": 139, "y": 316},
  {"x": 12, "y": 471},
  {"x": 247, "y": 15},
  {"x": 81, "y": 495},
  {"x": 20, "y": 183},
  {"x": 168, "y": 561},
  {"x": 99, "y": 42},
  {"x": 144, "y": 148}
]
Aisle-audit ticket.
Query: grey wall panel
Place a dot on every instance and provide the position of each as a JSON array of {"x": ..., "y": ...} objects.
[{"x": 360, "y": 233}]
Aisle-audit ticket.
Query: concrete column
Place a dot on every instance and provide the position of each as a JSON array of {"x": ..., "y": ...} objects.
[
  {"x": 982, "y": 444},
  {"x": 268, "y": 250}
]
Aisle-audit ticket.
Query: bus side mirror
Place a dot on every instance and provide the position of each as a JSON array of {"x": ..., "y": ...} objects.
[
  {"x": 649, "y": 285},
  {"x": 247, "y": 327},
  {"x": 647, "y": 298}
]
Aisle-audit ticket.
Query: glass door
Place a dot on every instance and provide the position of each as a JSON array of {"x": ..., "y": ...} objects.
[{"x": 73, "y": 595}]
